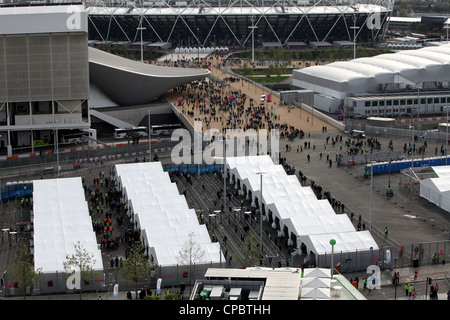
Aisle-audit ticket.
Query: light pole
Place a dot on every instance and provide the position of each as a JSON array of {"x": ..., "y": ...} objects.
[
  {"x": 224, "y": 174},
  {"x": 446, "y": 137},
  {"x": 253, "y": 27},
  {"x": 354, "y": 36},
  {"x": 371, "y": 191},
  {"x": 447, "y": 25},
  {"x": 332, "y": 242},
  {"x": 412, "y": 152},
  {"x": 142, "y": 43},
  {"x": 149, "y": 138},
  {"x": 260, "y": 208},
  {"x": 57, "y": 150},
  {"x": 198, "y": 48}
]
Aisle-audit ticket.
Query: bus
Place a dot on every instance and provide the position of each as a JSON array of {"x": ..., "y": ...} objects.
[
  {"x": 122, "y": 133},
  {"x": 164, "y": 129},
  {"x": 74, "y": 138},
  {"x": 357, "y": 134}
]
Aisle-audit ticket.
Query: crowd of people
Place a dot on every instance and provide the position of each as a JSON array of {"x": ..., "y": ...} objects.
[{"x": 221, "y": 106}]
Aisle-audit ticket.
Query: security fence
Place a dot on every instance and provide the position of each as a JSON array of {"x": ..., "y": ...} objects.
[
  {"x": 390, "y": 257},
  {"x": 47, "y": 163},
  {"x": 398, "y": 132},
  {"x": 368, "y": 157}
]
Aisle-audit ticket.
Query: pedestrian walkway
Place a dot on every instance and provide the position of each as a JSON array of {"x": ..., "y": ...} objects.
[{"x": 196, "y": 101}]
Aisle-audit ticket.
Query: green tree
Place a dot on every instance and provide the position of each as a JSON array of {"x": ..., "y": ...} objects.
[
  {"x": 252, "y": 252},
  {"x": 190, "y": 255},
  {"x": 136, "y": 266},
  {"x": 23, "y": 270},
  {"x": 82, "y": 261}
]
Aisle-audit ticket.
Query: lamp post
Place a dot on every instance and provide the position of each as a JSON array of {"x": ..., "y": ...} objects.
[
  {"x": 253, "y": 40},
  {"x": 142, "y": 43},
  {"x": 57, "y": 150},
  {"x": 354, "y": 36},
  {"x": 260, "y": 208},
  {"x": 446, "y": 137},
  {"x": 224, "y": 174},
  {"x": 198, "y": 48},
  {"x": 447, "y": 25},
  {"x": 371, "y": 191},
  {"x": 149, "y": 138},
  {"x": 412, "y": 153},
  {"x": 332, "y": 242}
]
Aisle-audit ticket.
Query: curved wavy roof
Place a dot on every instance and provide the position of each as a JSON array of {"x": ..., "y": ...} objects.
[{"x": 128, "y": 82}]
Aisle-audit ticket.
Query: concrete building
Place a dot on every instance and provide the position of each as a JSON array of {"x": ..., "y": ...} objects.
[
  {"x": 44, "y": 74},
  {"x": 51, "y": 77},
  {"x": 259, "y": 283}
]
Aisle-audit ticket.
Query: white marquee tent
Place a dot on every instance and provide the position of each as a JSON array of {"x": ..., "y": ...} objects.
[
  {"x": 61, "y": 219},
  {"x": 313, "y": 221},
  {"x": 437, "y": 190},
  {"x": 162, "y": 214},
  {"x": 315, "y": 294}
]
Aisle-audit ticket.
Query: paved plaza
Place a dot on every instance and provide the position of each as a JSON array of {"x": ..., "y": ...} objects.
[{"x": 409, "y": 218}]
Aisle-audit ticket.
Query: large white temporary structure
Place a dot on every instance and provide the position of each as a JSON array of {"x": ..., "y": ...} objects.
[
  {"x": 61, "y": 220},
  {"x": 163, "y": 217},
  {"x": 312, "y": 221},
  {"x": 344, "y": 78},
  {"x": 437, "y": 190}
]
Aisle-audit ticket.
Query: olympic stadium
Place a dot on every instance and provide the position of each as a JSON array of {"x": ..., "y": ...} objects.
[{"x": 237, "y": 23}]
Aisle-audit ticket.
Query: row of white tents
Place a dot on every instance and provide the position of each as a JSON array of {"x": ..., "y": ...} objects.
[
  {"x": 437, "y": 190},
  {"x": 201, "y": 50},
  {"x": 61, "y": 221},
  {"x": 312, "y": 221},
  {"x": 163, "y": 218}
]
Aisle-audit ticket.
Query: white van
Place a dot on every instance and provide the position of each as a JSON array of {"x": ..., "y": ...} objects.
[{"x": 263, "y": 98}]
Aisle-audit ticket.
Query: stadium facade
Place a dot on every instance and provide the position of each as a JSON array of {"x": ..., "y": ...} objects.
[{"x": 237, "y": 23}]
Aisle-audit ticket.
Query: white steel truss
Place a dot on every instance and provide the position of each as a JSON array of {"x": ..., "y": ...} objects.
[{"x": 204, "y": 21}]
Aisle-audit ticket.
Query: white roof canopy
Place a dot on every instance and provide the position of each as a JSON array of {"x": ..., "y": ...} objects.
[
  {"x": 313, "y": 221},
  {"x": 61, "y": 219},
  {"x": 366, "y": 74},
  {"x": 437, "y": 190},
  {"x": 162, "y": 214}
]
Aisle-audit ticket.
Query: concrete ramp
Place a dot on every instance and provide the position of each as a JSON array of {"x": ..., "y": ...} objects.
[{"x": 111, "y": 120}]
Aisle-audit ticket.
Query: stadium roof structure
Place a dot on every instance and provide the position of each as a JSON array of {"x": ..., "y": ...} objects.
[
  {"x": 162, "y": 214},
  {"x": 61, "y": 220},
  {"x": 313, "y": 221},
  {"x": 127, "y": 82},
  {"x": 341, "y": 79},
  {"x": 228, "y": 22}
]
